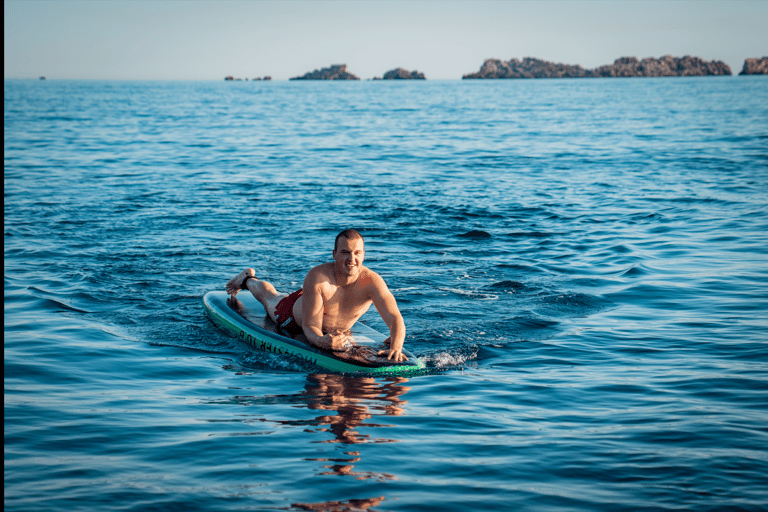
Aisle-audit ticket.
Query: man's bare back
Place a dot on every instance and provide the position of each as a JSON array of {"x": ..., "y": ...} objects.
[{"x": 335, "y": 295}]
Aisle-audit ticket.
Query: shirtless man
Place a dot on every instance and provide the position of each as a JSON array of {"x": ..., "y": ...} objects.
[{"x": 334, "y": 296}]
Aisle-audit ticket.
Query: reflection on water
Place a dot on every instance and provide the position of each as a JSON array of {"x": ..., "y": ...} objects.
[
  {"x": 346, "y": 402},
  {"x": 340, "y": 506},
  {"x": 346, "y": 468},
  {"x": 354, "y": 399}
]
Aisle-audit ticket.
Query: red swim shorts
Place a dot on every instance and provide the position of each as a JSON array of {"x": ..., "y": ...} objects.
[{"x": 284, "y": 314}]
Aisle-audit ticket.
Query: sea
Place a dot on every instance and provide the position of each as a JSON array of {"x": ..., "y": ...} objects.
[{"x": 582, "y": 264}]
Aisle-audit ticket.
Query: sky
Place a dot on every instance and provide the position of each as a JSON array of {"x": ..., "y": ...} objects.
[{"x": 208, "y": 40}]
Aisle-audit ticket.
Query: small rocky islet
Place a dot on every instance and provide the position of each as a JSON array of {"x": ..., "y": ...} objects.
[
  {"x": 230, "y": 78},
  {"x": 335, "y": 72},
  {"x": 755, "y": 66},
  {"x": 339, "y": 72},
  {"x": 531, "y": 67},
  {"x": 401, "y": 74}
]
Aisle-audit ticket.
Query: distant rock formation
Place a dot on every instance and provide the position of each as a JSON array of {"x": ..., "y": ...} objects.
[
  {"x": 403, "y": 74},
  {"x": 665, "y": 66},
  {"x": 625, "y": 66},
  {"x": 755, "y": 67},
  {"x": 335, "y": 72},
  {"x": 230, "y": 78},
  {"x": 527, "y": 68}
]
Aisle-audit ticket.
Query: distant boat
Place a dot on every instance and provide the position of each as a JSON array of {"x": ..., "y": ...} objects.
[{"x": 42, "y": 78}]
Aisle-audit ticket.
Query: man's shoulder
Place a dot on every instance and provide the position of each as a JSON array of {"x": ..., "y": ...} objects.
[
  {"x": 321, "y": 272},
  {"x": 370, "y": 278}
]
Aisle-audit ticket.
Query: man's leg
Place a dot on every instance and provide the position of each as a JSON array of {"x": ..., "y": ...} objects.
[{"x": 262, "y": 290}]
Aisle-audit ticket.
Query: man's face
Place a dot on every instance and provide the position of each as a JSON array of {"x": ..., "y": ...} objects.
[{"x": 349, "y": 255}]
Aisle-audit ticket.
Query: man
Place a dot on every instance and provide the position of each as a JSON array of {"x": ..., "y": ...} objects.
[{"x": 334, "y": 296}]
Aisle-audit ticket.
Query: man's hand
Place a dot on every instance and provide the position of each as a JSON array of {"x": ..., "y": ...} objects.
[
  {"x": 335, "y": 340},
  {"x": 396, "y": 354}
]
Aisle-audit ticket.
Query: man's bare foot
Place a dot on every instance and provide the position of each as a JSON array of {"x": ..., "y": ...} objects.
[{"x": 234, "y": 284}]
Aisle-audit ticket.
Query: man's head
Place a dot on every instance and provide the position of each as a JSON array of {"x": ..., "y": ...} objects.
[
  {"x": 349, "y": 234},
  {"x": 349, "y": 252}
]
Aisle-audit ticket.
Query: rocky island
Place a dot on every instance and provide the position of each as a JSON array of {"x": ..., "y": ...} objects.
[
  {"x": 529, "y": 67},
  {"x": 402, "y": 74},
  {"x": 335, "y": 72},
  {"x": 664, "y": 66},
  {"x": 755, "y": 67},
  {"x": 622, "y": 67}
]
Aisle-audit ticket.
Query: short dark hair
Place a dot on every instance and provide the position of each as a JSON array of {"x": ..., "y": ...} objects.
[{"x": 349, "y": 234}]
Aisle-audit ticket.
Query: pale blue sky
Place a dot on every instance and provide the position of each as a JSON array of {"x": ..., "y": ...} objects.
[{"x": 202, "y": 40}]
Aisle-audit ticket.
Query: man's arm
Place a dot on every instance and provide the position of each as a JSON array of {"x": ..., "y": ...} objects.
[
  {"x": 312, "y": 314},
  {"x": 386, "y": 305}
]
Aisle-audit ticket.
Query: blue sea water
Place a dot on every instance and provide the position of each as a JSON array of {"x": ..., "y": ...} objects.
[{"x": 583, "y": 265}]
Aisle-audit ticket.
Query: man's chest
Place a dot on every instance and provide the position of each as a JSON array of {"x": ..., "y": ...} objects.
[{"x": 336, "y": 298}]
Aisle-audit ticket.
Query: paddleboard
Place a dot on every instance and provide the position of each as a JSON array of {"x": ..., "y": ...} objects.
[{"x": 246, "y": 320}]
